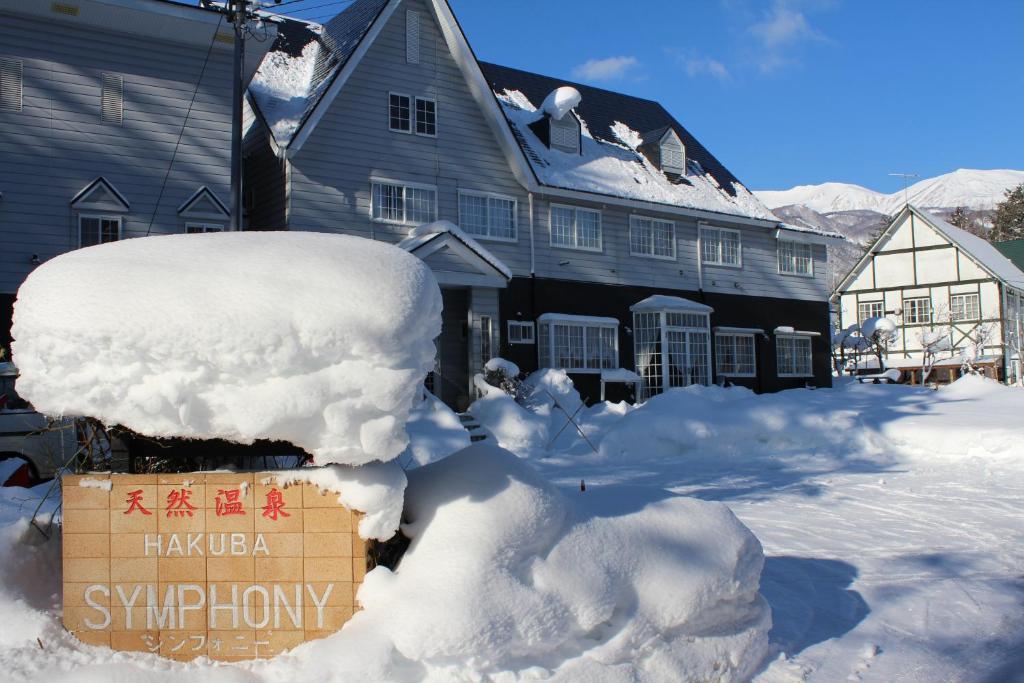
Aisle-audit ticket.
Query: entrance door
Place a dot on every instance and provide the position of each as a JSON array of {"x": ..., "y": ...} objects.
[{"x": 451, "y": 374}]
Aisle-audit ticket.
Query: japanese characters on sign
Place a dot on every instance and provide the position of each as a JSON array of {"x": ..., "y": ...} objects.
[{"x": 227, "y": 565}]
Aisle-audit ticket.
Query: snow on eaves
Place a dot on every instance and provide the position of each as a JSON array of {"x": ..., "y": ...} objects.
[
  {"x": 813, "y": 231},
  {"x": 617, "y": 169},
  {"x": 422, "y": 234}
]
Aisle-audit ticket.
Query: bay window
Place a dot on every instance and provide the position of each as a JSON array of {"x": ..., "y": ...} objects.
[{"x": 577, "y": 343}]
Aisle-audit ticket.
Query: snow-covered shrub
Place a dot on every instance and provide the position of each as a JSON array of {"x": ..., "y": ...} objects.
[
  {"x": 505, "y": 375},
  {"x": 316, "y": 339}
]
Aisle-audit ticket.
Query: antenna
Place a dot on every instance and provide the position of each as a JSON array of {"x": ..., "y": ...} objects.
[{"x": 906, "y": 177}]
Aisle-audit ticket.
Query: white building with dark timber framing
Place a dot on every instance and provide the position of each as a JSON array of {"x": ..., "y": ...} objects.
[{"x": 934, "y": 278}]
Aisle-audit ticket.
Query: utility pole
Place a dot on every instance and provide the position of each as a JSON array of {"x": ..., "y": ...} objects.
[{"x": 239, "y": 15}]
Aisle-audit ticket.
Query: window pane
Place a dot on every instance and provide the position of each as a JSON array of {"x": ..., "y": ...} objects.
[
  {"x": 709, "y": 245},
  {"x": 544, "y": 345},
  {"x": 419, "y": 205},
  {"x": 640, "y": 239},
  {"x": 90, "y": 228},
  {"x": 398, "y": 110},
  {"x": 730, "y": 247},
  {"x": 561, "y": 226},
  {"x": 473, "y": 214},
  {"x": 664, "y": 239},
  {"x": 609, "y": 348},
  {"x": 502, "y": 218},
  {"x": 387, "y": 202},
  {"x": 426, "y": 117},
  {"x": 568, "y": 346},
  {"x": 588, "y": 229}
]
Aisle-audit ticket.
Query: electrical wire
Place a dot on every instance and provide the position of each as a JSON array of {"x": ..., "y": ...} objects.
[{"x": 184, "y": 124}]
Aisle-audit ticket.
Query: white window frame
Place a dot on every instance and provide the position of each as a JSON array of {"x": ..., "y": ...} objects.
[
  {"x": 204, "y": 226},
  {"x": 582, "y": 322},
  {"x": 964, "y": 296},
  {"x": 522, "y": 326},
  {"x": 917, "y": 313},
  {"x": 810, "y": 355},
  {"x": 704, "y": 230},
  {"x": 871, "y": 304},
  {"x": 412, "y": 113},
  {"x": 405, "y": 186},
  {"x": 718, "y": 358},
  {"x": 416, "y": 116},
  {"x": 492, "y": 195},
  {"x": 633, "y": 219},
  {"x": 796, "y": 245},
  {"x": 575, "y": 228},
  {"x": 101, "y": 217}
]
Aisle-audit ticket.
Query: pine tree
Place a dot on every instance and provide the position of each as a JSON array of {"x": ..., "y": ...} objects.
[
  {"x": 960, "y": 219},
  {"x": 1008, "y": 221}
]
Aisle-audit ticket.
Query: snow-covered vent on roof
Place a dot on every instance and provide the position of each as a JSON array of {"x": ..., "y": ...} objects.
[
  {"x": 558, "y": 126},
  {"x": 320, "y": 340}
]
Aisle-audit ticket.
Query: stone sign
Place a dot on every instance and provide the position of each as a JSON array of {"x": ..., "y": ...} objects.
[{"x": 228, "y": 565}]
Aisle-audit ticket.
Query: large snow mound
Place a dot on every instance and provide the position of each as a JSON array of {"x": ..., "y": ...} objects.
[
  {"x": 506, "y": 579},
  {"x": 320, "y": 340}
]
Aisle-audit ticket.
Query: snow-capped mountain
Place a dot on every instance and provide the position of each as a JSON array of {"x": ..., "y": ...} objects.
[{"x": 970, "y": 188}]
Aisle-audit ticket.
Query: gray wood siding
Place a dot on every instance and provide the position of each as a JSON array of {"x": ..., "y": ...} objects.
[
  {"x": 57, "y": 144},
  {"x": 330, "y": 181}
]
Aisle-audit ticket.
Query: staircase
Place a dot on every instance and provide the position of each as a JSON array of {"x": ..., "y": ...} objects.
[{"x": 476, "y": 431}]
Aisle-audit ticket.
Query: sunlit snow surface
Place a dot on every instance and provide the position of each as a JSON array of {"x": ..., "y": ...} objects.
[
  {"x": 317, "y": 339},
  {"x": 890, "y": 518}
]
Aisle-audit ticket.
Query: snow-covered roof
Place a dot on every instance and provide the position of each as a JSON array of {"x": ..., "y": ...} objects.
[
  {"x": 787, "y": 329},
  {"x": 738, "y": 330},
  {"x": 813, "y": 231},
  {"x": 302, "y": 64},
  {"x": 592, "y": 319},
  {"x": 620, "y": 375},
  {"x": 614, "y": 125},
  {"x": 662, "y": 302},
  {"x": 425, "y": 233}
]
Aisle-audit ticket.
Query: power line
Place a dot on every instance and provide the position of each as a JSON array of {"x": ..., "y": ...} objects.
[{"x": 184, "y": 124}]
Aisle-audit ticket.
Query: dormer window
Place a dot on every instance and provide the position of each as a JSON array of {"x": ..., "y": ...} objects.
[
  {"x": 665, "y": 151},
  {"x": 559, "y": 127},
  {"x": 565, "y": 134}
]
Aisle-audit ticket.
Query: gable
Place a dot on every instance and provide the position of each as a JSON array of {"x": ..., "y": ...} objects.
[
  {"x": 203, "y": 204},
  {"x": 99, "y": 195},
  {"x": 454, "y": 262}
]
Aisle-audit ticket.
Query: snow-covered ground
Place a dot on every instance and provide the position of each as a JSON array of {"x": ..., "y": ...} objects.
[{"x": 890, "y": 517}]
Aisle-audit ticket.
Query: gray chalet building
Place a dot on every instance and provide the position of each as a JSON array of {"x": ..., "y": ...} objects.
[
  {"x": 115, "y": 122},
  {"x": 569, "y": 227}
]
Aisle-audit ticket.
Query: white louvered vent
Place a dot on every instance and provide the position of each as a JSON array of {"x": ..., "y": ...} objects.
[
  {"x": 11, "y": 71},
  {"x": 412, "y": 37},
  {"x": 672, "y": 158},
  {"x": 112, "y": 100}
]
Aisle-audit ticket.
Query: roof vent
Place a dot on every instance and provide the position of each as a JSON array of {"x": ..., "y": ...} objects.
[
  {"x": 561, "y": 101},
  {"x": 665, "y": 151}
]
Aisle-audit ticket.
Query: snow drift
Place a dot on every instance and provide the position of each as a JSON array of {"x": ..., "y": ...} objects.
[
  {"x": 506, "y": 579},
  {"x": 316, "y": 339}
]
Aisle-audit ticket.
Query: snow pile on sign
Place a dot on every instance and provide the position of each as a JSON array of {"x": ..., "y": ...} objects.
[
  {"x": 605, "y": 167},
  {"x": 506, "y": 578},
  {"x": 319, "y": 340}
]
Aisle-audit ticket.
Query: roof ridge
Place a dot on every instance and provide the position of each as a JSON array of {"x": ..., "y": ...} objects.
[{"x": 574, "y": 84}]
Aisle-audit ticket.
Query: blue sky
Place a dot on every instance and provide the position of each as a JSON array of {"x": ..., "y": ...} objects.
[{"x": 788, "y": 92}]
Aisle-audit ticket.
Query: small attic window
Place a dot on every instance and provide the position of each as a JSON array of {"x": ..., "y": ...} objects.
[
  {"x": 412, "y": 37},
  {"x": 665, "y": 151},
  {"x": 112, "y": 99},
  {"x": 673, "y": 159},
  {"x": 565, "y": 134}
]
